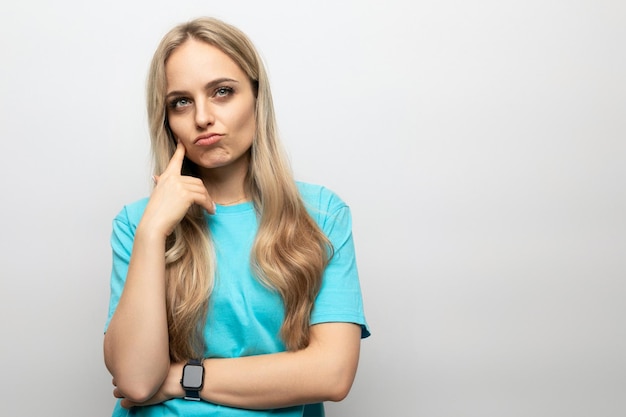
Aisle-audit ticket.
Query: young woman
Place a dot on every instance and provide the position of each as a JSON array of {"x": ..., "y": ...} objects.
[{"x": 234, "y": 289}]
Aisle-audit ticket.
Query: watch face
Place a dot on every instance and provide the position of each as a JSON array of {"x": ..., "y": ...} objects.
[{"x": 192, "y": 376}]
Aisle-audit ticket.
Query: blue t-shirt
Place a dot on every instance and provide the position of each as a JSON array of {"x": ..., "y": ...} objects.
[{"x": 244, "y": 316}]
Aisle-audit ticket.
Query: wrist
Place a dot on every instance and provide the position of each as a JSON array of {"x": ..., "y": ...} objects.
[
  {"x": 149, "y": 233},
  {"x": 172, "y": 387}
]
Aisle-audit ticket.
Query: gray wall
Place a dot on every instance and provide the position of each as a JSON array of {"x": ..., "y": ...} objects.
[{"x": 480, "y": 144}]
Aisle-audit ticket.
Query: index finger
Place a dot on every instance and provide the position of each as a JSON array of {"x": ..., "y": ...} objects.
[{"x": 176, "y": 162}]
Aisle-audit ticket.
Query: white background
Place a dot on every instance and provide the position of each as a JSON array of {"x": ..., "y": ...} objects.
[{"x": 480, "y": 144}]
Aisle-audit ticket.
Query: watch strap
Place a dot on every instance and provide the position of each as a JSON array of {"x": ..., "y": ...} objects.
[{"x": 192, "y": 395}]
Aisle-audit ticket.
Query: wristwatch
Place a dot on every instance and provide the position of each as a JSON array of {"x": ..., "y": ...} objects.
[{"x": 193, "y": 379}]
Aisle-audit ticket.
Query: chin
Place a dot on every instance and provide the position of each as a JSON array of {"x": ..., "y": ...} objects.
[
  {"x": 211, "y": 161},
  {"x": 214, "y": 164}
]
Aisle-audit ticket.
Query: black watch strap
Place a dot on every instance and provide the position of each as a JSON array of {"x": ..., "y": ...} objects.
[{"x": 192, "y": 395}]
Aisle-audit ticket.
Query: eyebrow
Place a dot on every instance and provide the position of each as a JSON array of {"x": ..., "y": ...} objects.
[{"x": 208, "y": 86}]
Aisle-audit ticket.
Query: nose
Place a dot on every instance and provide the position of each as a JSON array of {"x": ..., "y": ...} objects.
[{"x": 204, "y": 114}]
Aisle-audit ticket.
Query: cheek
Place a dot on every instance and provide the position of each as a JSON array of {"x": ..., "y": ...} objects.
[
  {"x": 177, "y": 126},
  {"x": 246, "y": 121}
]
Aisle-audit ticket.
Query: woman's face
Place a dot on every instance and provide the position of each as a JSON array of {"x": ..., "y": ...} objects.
[{"x": 210, "y": 106}]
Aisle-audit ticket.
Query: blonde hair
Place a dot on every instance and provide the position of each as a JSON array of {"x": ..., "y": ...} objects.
[{"x": 289, "y": 253}]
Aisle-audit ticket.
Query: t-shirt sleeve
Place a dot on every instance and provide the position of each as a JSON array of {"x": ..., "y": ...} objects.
[
  {"x": 121, "y": 244},
  {"x": 339, "y": 298}
]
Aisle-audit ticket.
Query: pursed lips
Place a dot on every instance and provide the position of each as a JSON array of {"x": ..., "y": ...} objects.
[{"x": 208, "y": 139}]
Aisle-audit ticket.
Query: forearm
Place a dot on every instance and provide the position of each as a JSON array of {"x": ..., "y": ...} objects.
[
  {"x": 324, "y": 371},
  {"x": 136, "y": 343},
  {"x": 268, "y": 381}
]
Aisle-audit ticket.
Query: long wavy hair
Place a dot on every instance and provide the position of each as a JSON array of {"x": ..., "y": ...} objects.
[{"x": 289, "y": 253}]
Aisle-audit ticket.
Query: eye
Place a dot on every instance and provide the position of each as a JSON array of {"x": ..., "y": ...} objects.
[
  {"x": 179, "y": 103},
  {"x": 223, "y": 92}
]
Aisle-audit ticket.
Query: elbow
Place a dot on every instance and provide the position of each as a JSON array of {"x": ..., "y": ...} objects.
[
  {"x": 338, "y": 377},
  {"x": 136, "y": 388},
  {"x": 134, "y": 384},
  {"x": 339, "y": 391},
  {"x": 341, "y": 383},
  {"x": 137, "y": 393},
  {"x": 136, "y": 378}
]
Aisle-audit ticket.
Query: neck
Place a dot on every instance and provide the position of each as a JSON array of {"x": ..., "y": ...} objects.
[{"x": 226, "y": 184}]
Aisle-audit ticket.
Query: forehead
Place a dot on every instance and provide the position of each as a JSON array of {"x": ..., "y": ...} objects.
[{"x": 199, "y": 62}]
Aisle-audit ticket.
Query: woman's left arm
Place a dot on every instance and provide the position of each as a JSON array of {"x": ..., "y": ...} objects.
[{"x": 323, "y": 371}]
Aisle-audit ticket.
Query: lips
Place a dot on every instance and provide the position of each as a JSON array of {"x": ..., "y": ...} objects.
[{"x": 207, "y": 139}]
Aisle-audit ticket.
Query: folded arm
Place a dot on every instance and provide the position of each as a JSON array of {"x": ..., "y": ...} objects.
[{"x": 323, "y": 371}]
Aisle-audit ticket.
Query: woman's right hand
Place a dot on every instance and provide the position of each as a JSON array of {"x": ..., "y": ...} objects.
[{"x": 173, "y": 195}]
